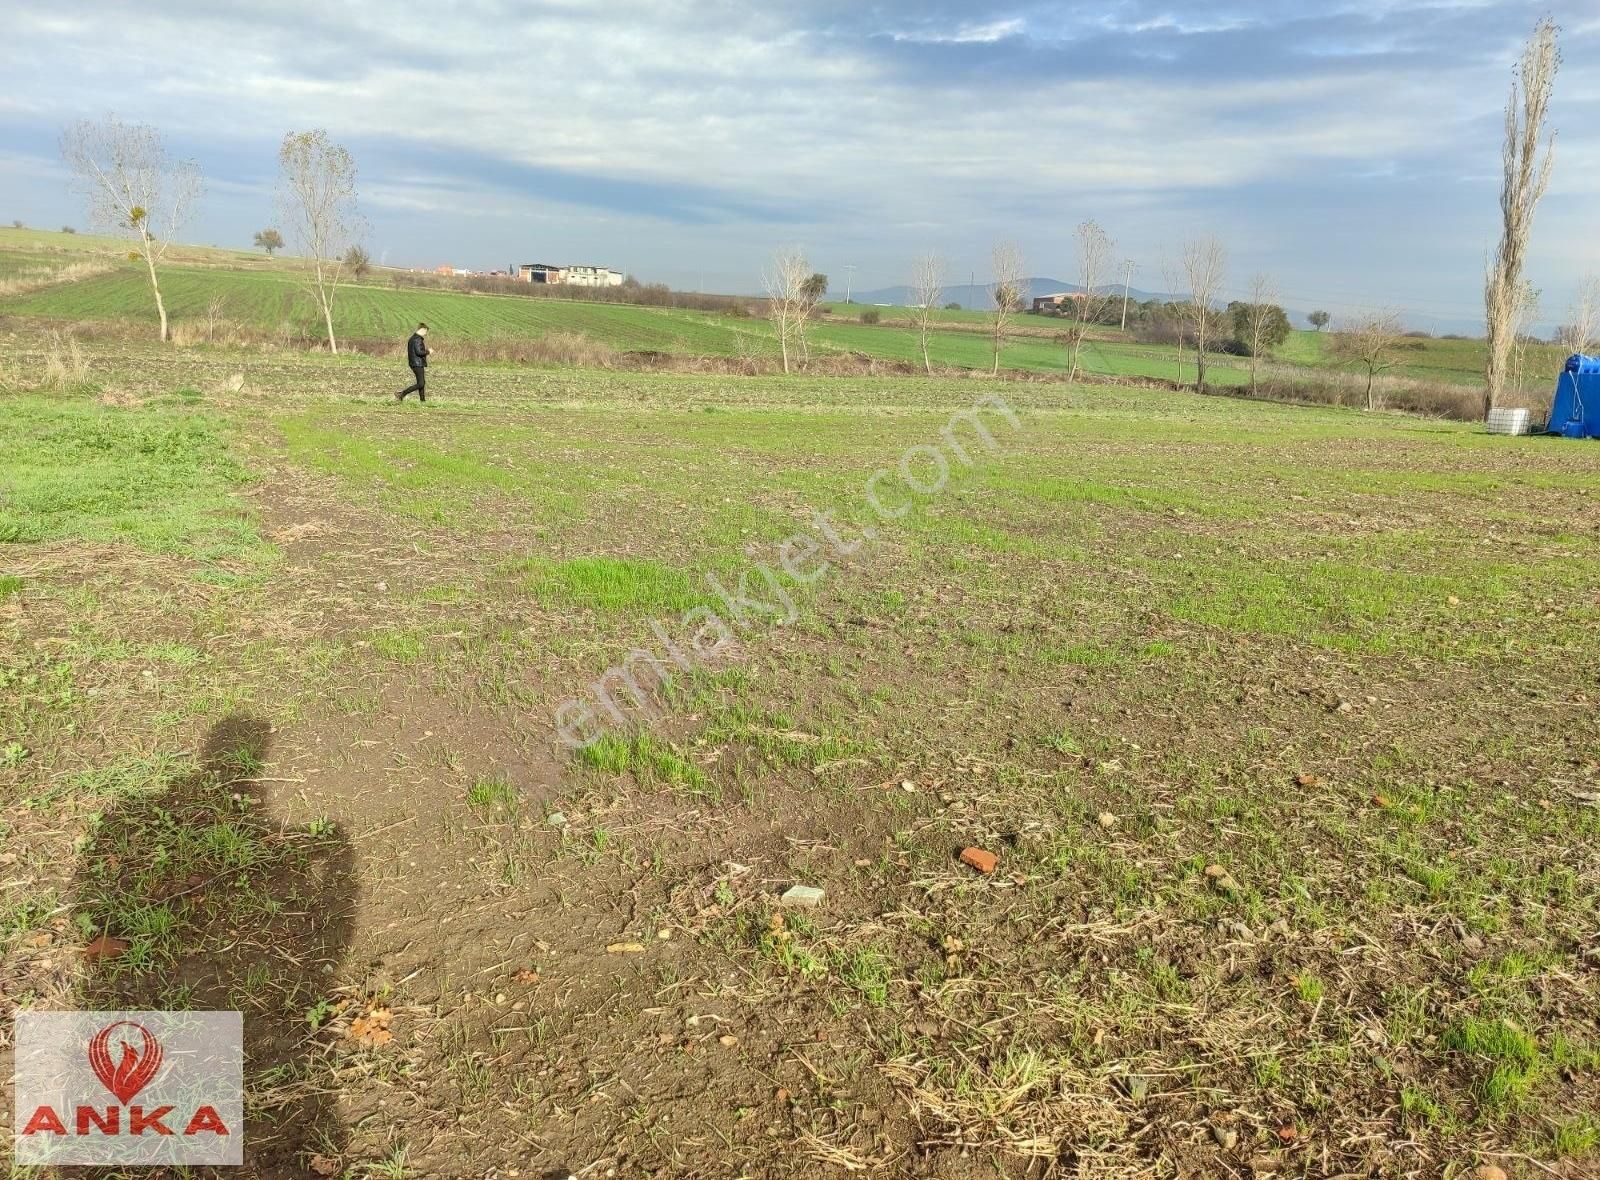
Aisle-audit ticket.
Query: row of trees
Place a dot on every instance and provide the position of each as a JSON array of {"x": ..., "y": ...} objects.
[
  {"x": 133, "y": 187},
  {"x": 1251, "y": 327}
]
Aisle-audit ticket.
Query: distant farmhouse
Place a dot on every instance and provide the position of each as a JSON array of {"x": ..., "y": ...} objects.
[
  {"x": 575, "y": 276},
  {"x": 1058, "y": 303}
]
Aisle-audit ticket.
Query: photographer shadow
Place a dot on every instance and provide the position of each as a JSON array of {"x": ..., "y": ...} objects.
[{"x": 189, "y": 897}]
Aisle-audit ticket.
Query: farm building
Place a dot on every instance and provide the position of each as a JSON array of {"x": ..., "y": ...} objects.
[
  {"x": 577, "y": 276},
  {"x": 1058, "y": 302}
]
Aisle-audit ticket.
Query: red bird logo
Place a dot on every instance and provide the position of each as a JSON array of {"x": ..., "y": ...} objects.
[{"x": 134, "y": 1070}]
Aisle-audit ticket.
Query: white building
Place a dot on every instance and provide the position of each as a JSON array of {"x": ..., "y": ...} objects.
[
  {"x": 576, "y": 276},
  {"x": 592, "y": 276}
]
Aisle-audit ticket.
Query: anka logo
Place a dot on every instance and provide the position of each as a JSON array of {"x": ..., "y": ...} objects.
[
  {"x": 134, "y": 1070},
  {"x": 174, "y": 1077}
]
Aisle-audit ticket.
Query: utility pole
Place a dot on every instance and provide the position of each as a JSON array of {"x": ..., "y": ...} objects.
[
  {"x": 1127, "y": 282},
  {"x": 849, "y": 275}
]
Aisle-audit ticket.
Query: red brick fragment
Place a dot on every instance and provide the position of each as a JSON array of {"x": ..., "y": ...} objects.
[{"x": 977, "y": 858}]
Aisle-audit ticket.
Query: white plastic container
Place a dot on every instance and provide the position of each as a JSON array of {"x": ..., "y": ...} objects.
[{"x": 1508, "y": 421}]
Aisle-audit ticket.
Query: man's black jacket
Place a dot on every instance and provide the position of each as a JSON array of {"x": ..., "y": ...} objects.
[{"x": 417, "y": 352}]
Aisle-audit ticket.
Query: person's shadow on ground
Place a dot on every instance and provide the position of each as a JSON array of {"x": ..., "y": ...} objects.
[{"x": 188, "y": 897}]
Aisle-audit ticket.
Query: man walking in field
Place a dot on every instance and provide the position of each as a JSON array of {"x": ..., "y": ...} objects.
[{"x": 417, "y": 358}]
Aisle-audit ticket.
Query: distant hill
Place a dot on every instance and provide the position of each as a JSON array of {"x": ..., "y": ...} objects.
[{"x": 976, "y": 297}]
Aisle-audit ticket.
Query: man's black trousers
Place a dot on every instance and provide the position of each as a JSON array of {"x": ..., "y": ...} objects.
[{"x": 418, "y": 386}]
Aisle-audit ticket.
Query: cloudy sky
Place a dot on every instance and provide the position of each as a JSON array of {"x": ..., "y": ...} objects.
[{"x": 1352, "y": 151}]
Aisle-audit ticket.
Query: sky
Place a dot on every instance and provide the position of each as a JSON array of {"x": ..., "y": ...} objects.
[{"x": 1348, "y": 149}]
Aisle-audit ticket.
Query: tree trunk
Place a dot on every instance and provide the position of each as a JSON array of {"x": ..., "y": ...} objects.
[
  {"x": 1199, "y": 367},
  {"x": 1077, "y": 343},
  {"x": 1494, "y": 368},
  {"x": 927, "y": 365},
  {"x": 1255, "y": 365},
  {"x": 994, "y": 370},
  {"x": 327, "y": 316},
  {"x": 155, "y": 287},
  {"x": 783, "y": 339},
  {"x": 1370, "y": 405}
]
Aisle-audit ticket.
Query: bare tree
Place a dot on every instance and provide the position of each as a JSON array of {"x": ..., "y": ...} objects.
[
  {"x": 133, "y": 188},
  {"x": 1579, "y": 333},
  {"x": 1371, "y": 341},
  {"x": 1094, "y": 262},
  {"x": 1526, "y": 176},
  {"x": 1204, "y": 263},
  {"x": 785, "y": 281},
  {"x": 317, "y": 193},
  {"x": 927, "y": 290},
  {"x": 1261, "y": 314},
  {"x": 1007, "y": 293}
]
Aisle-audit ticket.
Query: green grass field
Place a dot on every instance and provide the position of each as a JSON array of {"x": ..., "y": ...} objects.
[{"x": 1279, "y": 721}]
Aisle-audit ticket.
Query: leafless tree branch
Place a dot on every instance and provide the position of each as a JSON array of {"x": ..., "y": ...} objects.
[
  {"x": 1525, "y": 177},
  {"x": 317, "y": 199},
  {"x": 1007, "y": 293},
  {"x": 927, "y": 289},
  {"x": 133, "y": 188}
]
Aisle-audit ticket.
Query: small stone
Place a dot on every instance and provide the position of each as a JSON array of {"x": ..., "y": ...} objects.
[
  {"x": 664, "y": 934},
  {"x": 1221, "y": 878},
  {"x": 557, "y": 820},
  {"x": 977, "y": 858},
  {"x": 908, "y": 786},
  {"x": 727, "y": 1040},
  {"x": 1226, "y": 1137},
  {"x": 802, "y": 895},
  {"x": 1306, "y": 780},
  {"x": 1279, "y": 928},
  {"x": 625, "y": 948},
  {"x": 501, "y": 997},
  {"x": 1488, "y": 1172},
  {"x": 1107, "y": 820},
  {"x": 1264, "y": 1165},
  {"x": 1343, "y": 707}
]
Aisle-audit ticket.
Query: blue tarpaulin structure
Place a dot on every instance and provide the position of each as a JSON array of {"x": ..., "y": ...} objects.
[{"x": 1575, "y": 412}]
